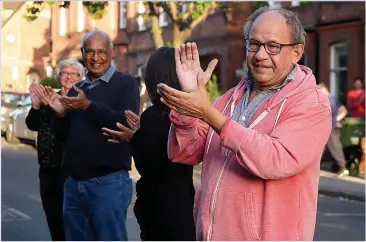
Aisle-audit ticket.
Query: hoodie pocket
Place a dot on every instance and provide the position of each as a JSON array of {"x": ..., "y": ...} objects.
[
  {"x": 234, "y": 217},
  {"x": 201, "y": 211},
  {"x": 250, "y": 216}
]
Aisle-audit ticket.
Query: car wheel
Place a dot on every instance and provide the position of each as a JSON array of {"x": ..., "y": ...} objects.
[{"x": 10, "y": 135}]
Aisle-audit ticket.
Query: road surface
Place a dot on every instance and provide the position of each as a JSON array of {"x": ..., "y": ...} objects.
[{"x": 23, "y": 218}]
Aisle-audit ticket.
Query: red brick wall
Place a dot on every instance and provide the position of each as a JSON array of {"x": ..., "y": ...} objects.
[{"x": 352, "y": 35}]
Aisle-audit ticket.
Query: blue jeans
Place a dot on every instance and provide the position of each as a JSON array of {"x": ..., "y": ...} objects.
[{"x": 96, "y": 209}]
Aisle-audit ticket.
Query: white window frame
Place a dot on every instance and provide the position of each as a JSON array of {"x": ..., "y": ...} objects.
[
  {"x": 122, "y": 15},
  {"x": 81, "y": 16},
  {"x": 334, "y": 85},
  {"x": 140, "y": 20},
  {"x": 15, "y": 73},
  {"x": 274, "y": 3},
  {"x": 63, "y": 21},
  {"x": 295, "y": 3},
  {"x": 49, "y": 71},
  {"x": 163, "y": 18},
  {"x": 184, "y": 7}
]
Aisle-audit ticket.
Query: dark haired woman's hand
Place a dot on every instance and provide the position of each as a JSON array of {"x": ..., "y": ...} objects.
[
  {"x": 133, "y": 120},
  {"x": 124, "y": 135}
]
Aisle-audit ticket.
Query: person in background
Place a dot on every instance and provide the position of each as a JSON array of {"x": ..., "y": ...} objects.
[
  {"x": 51, "y": 175},
  {"x": 334, "y": 145},
  {"x": 99, "y": 190},
  {"x": 356, "y": 100},
  {"x": 165, "y": 191}
]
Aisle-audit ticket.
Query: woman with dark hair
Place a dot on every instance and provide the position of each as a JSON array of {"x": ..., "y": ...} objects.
[{"x": 165, "y": 191}]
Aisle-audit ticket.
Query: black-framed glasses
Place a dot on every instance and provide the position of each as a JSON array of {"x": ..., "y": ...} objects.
[
  {"x": 66, "y": 74},
  {"x": 272, "y": 48},
  {"x": 90, "y": 53}
]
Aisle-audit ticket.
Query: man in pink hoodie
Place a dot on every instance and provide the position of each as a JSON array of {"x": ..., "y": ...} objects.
[{"x": 260, "y": 143}]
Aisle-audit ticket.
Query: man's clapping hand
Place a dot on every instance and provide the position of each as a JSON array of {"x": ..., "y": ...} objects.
[{"x": 80, "y": 102}]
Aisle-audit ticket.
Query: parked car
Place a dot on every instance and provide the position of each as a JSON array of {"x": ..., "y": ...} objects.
[
  {"x": 9, "y": 102},
  {"x": 17, "y": 129}
]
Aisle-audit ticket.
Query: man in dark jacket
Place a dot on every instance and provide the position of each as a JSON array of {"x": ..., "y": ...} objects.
[{"x": 99, "y": 190}]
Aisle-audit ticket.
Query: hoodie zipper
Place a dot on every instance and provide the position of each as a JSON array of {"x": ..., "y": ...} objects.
[{"x": 213, "y": 200}]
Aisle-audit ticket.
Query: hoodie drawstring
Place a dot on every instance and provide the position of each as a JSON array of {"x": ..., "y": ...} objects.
[{"x": 279, "y": 112}]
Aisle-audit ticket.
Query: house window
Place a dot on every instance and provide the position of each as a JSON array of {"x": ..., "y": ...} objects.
[
  {"x": 295, "y": 3},
  {"x": 163, "y": 18},
  {"x": 123, "y": 15},
  {"x": 49, "y": 71},
  {"x": 274, "y": 3},
  {"x": 63, "y": 21},
  {"x": 14, "y": 73},
  {"x": 140, "y": 20},
  {"x": 81, "y": 17},
  {"x": 339, "y": 71},
  {"x": 184, "y": 7}
]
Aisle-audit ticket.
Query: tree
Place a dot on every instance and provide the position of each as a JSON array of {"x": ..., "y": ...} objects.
[
  {"x": 184, "y": 17},
  {"x": 96, "y": 9}
]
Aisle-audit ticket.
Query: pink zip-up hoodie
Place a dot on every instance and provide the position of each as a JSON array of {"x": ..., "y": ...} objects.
[{"x": 267, "y": 186}]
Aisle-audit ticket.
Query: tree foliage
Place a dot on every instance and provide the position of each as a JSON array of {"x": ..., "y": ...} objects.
[
  {"x": 184, "y": 17},
  {"x": 96, "y": 9},
  {"x": 212, "y": 88}
]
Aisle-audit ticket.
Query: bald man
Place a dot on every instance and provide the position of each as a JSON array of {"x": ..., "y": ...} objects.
[{"x": 98, "y": 191}]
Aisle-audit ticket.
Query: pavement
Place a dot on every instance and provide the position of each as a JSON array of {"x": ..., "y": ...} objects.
[
  {"x": 349, "y": 187},
  {"x": 23, "y": 218}
]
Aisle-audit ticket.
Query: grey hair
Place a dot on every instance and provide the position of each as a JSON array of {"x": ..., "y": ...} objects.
[
  {"x": 104, "y": 34},
  {"x": 66, "y": 63},
  {"x": 298, "y": 32}
]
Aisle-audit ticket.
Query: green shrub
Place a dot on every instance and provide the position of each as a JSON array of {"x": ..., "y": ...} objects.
[
  {"x": 51, "y": 81},
  {"x": 213, "y": 89}
]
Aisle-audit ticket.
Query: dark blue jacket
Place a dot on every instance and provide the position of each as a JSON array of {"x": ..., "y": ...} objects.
[{"x": 87, "y": 152}]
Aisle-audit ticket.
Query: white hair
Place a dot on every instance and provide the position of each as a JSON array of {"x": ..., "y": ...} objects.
[
  {"x": 104, "y": 34},
  {"x": 66, "y": 63},
  {"x": 298, "y": 32}
]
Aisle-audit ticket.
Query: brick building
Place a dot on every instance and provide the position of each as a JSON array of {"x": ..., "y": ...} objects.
[
  {"x": 335, "y": 43},
  {"x": 334, "y": 50},
  {"x": 25, "y": 47}
]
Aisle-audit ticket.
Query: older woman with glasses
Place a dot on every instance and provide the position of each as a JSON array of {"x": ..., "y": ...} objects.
[{"x": 49, "y": 148}]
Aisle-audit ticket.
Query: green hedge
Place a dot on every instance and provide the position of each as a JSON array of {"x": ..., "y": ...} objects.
[{"x": 51, "y": 81}]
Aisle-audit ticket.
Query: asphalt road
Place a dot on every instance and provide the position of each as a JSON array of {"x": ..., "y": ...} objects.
[{"x": 23, "y": 218}]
